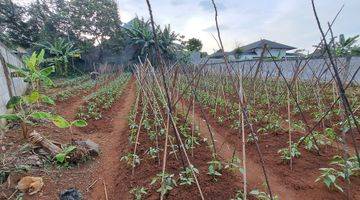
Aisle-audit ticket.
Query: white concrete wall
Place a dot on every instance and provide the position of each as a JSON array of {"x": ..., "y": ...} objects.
[
  {"x": 288, "y": 66},
  {"x": 274, "y": 52},
  {"x": 246, "y": 57},
  {"x": 18, "y": 86}
]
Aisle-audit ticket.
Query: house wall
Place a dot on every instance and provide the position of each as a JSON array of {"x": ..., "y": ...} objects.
[
  {"x": 18, "y": 86},
  {"x": 246, "y": 57},
  {"x": 274, "y": 52}
]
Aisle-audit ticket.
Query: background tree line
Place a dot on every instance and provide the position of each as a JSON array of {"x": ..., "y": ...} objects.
[
  {"x": 67, "y": 29},
  {"x": 84, "y": 22}
]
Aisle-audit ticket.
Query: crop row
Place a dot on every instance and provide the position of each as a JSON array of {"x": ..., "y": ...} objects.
[
  {"x": 72, "y": 81},
  {"x": 103, "y": 98},
  {"x": 224, "y": 109},
  {"x": 81, "y": 86}
]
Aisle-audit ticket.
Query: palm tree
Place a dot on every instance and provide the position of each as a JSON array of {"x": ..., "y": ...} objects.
[{"x": 347, "y": 48}]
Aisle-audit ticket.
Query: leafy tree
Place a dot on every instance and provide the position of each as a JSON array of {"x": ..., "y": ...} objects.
[
  {"x": 194, "y": 44},
  {"x": 98, "y": 19},
  {"x": 84, "y": 22},
  {"x": 14, "y": 29},
  {"x": 32, "y": 73}
]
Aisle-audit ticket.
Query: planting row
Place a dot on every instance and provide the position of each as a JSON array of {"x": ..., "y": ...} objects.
[
  {"x": 277, "y": 115},
  {"x": 157, "y": 162},
  {"x": 74, "y": 89},
  {"x": 103, "y": 98},
  {"x": 72, "y": 81}
]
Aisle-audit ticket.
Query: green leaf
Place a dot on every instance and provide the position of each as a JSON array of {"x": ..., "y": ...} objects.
[
  {"x": 328, "y": 181},
  {"x": 13, "y": 102},
  {"x": 79, "y": 123},
  {"x": 40, "y": 56},
  {"x": 14, "y": 67},
  {"x": 153, "y": 181},
  {"x": 33, "y": 97},
  {"x": 10, "y": 117},
  {"x": 332, "y": 178},
  {"x": 47, "y": 99},
  {"x": 69, "y": 149},
  {"x": 60, "y": 122},
  {"x": 211, "y": 168},
  {"x": 60, "y": 157},
  {"x": 41, "y": 115},
  {"x": 31, "y": 62},
  {"x": 47, "y": 81},
  {"x": 47, "y": 71}
]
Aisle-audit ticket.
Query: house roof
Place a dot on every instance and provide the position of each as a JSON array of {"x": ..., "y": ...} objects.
[
  {"x": 249, "y": 49},
  {"x": 219, "y": 54},
  {"x": 261, "y": 43}
]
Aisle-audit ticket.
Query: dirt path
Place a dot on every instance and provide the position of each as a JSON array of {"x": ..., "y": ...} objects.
[
  {"x": 113, "y": 144},
  {"x": 254, "y": 172}
]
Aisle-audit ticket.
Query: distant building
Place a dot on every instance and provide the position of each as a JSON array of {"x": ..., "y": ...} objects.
[{"x": 254, "y": 50}]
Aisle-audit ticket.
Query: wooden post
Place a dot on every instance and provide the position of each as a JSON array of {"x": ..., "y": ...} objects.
[{"x": 7, "y": 75}]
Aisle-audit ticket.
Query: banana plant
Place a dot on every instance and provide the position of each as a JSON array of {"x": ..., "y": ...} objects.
[
  {"x": 25, "y": 106},
  {"x": 32, "y": 73},
  {"x": 26, "y": 112},
  {"x": 61, "y": 52}
]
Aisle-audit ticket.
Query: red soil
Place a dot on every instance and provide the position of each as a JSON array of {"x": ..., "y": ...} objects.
[
  {"x": 224, "y": 188},
  {"x": 296, "y": 184},
  {"x": 103, "y": 169}
]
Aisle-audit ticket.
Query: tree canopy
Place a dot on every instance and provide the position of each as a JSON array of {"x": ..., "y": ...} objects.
[
  {"x": 194, "y": 44},
  {"x": 84, "y": 22},
  {"x": 140, "y": 38}
]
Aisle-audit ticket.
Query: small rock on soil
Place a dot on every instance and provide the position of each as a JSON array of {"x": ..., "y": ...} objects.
[
  {"x": 91, "y": 146},
  {"x": 71, "y": 194}
]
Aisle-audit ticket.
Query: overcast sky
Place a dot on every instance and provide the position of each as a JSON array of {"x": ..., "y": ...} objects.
[
  {"x": 286, "y": 21},
  {"x": 241, "y": 22}
]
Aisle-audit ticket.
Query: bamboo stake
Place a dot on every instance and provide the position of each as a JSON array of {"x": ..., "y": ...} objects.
[
  {"x": 289, "y": 126},
  {"x": 244, "y": 153},
  {"x": 137, "y": 135},
  {"x": 193, "y": 127},
  {"x": 243, "y": 105},
  {"x": 165, "y": 151},
  {"x": 178, "y": 136}
]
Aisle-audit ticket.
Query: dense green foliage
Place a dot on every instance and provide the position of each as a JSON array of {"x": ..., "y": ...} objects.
[
  {"x": 194, "y": 44},
  {"x": 61, "y": 51},
  {"x": 141, "y": 38},
  {"x": 84, "y": 22}
]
